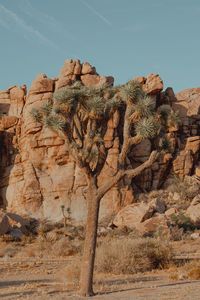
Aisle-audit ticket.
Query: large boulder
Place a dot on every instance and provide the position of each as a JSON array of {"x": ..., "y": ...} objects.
[
  {"x": 136, "y": 213},
  {"x": 152, "y": 84},
  {"x": 157, "y": 224},
  {"x": 193, "y": 211},
  {"x": 188, "y": 102},
  {"x": 11, "y": 222}
]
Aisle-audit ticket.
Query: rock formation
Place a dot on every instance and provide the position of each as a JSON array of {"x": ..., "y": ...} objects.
[{"x": 37, "y": 173}]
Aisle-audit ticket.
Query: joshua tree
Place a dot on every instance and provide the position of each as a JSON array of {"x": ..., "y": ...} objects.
[{"x": 79, "y": 115}]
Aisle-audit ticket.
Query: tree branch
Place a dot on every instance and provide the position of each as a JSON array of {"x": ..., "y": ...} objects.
[
  {"x": 126, "y": 134},
  {"x": 134, "y": 172},
  {"x": 102, "y": 190}
]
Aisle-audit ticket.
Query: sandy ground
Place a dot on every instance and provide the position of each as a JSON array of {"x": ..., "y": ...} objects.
[{"x": 31, "y": 278}]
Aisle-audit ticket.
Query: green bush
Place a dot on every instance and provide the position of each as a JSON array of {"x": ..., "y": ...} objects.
[{"x": 182, "y": 221}]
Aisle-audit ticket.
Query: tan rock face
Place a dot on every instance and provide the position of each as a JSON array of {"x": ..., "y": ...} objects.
[
  {"x": 8, "y": 121},
  {"x": 41, "y": 84},
  {"x": 136, "y": 213},
  {"x": 10, "y": 222},
  {"x": 193, "y": 211},
  {"x": 188, "y": 102},
  {"x": 96, "y": 80},
  {"x": 152, "y": 84},
  {"x": 157, "y": 224},
  {"x": 37, "y": 173}
]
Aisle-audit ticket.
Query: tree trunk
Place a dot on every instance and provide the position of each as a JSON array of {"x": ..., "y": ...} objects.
[{"x": 87, "y": 266}]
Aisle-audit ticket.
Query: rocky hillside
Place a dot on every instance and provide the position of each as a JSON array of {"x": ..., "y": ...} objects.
[{"x": 37, "y": 173}]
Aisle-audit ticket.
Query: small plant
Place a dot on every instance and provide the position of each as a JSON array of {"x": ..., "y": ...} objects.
[
  {"x": 129, "y": 256},
  {"x": 187, "y": 188},
  {"x": 42, "y": 229},
  {"x": 71, "y": 273},
  {"x": 182, "y": 221},
  {"x": 177, "y": 233},
  {"x": 166, "y": 145},
  {"x": 65, "y": 218}
]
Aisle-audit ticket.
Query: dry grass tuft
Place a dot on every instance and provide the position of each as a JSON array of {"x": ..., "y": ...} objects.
[
  {"x": 64, "y": 248},
  {"x": 129, "y": 256},
  {"x": 71, "y": 273},
  {"x": 190, "y": 271},
  {"x": 8, "y": 250}
]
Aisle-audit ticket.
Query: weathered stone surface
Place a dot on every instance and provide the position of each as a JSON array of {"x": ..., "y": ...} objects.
[
  {"x": 63, "y": 82},
  {"x": 188, "y": 102},
  {"x": 96, "y": 80},
  {"x": 10, "y": 221},
  {"x": 153, "y": 84},
  {"x": 171, "y": 211},
  {"x": 193, "y": 144},
  {"x": 140, "y": 79},
  {"x": 157, "y": 224},
  {"x": 36, "y": 167},
  {"x": 9, "y": 121},
  {"x": 41, "y": 84},
  {"x": 132, "y": 214},
  {"x": 87, "y": 69},
  {"x": 193, "y": 211},
  {"x": 17, "y": 98},
  {"x": 4, "y": 223},
  {"x": 183, "y": 164}
]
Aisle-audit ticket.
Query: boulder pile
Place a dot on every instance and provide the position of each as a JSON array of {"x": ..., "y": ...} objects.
[{"x": 37, "y": 173}]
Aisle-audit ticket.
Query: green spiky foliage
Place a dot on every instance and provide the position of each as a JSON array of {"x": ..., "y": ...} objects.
[
  {"x": 54, "y": 121},
  {"x": 114, "y": 103},
  {"x": 164, "y": 113},
  {"x": 36, "y": 115},
  {"x": 173, "y": 119},
  {"x": 81, "y": 113},
  {"x": 85, "y": 117},
  {"x": 147, "y": 127},
  {"x": 166, "y": 145},
  {"x": 131, "y": 91},
  {"x": 143, "y": 108}
]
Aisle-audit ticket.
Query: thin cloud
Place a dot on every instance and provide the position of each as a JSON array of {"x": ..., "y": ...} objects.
[
  {"x": 106, "y": 21},
  {"x": 50, "y": 22},
  {"x": 28, "y": 31}
]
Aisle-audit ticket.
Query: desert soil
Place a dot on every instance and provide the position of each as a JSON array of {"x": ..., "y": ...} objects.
[{"x": 33, "y": 278}]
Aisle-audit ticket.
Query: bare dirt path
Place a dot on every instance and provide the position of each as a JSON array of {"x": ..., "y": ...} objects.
[{"x": 29, "y": 278}]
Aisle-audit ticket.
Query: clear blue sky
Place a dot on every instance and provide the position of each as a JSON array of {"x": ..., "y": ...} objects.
[{"x": 122, "y": 38}]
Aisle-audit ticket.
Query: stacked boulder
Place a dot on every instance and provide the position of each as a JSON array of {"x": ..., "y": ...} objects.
[{"x": 37, "y": 173}]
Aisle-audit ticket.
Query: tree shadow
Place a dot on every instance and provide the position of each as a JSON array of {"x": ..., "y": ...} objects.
[
  {"x": 19, "y": 282},
  {"x": 7, "y": 161}
]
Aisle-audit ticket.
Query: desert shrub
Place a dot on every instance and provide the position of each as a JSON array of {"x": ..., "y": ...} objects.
[
  {"x": 71, "y": 273},
  {"x": 187, "y": 188},
  {"x": 190, "y": 270},
  {"x": 129, "y": 256},
  {"x": 42, "y": 229},
  {"x": 8, "y": 250},
  {"x": 182, "y": 221},
  {"x": 177, "y": 233},
  {"x": 64, "y": 248}
]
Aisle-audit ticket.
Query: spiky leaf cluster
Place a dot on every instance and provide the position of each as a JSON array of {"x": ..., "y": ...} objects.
[
  {"x": 67, "y": 96},
  {"x": 166, "y": 145},
  {"x": 131, "y": 91},
  {"x": 46, "y": 108},
  {"x": 114, "y": 103},
  {"x": 173, "y": 119},
  {"x": 54, "y": 121},
  {"x": 144, "y": 108},
  {"x": 147, "y": 127},
  {"x": 36, "y": 114},
  {"x": 95, "y": 106}
]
